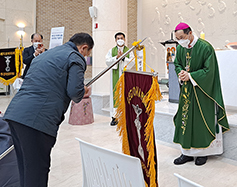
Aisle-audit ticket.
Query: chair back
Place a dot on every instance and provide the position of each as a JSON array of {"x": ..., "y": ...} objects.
[
  {"x": 183, "y": 182},
  {"x": 103, "y": 167},
  {"x": 9, "y": 174}
]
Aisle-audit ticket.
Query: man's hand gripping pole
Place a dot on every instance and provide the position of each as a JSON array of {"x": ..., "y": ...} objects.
[{"x": 116, "y": 62}]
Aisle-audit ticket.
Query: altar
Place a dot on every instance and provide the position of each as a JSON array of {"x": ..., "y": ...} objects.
[{"x": 227, "y": 60}]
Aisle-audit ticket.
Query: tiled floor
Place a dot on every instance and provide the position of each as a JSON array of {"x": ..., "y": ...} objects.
[{"x": 66, "y": 170}]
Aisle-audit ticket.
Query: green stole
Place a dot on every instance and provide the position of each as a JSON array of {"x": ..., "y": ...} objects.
[
  {"x": 116, "y": 71},
  {"x": 195, "y": 119}
]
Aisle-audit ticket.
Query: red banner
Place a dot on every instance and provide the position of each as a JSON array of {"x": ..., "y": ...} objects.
[{"x": 138, "y": 91}]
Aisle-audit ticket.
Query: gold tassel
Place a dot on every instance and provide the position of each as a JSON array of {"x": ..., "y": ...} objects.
[
  {"x": 144, "y": 59},
  {"x": 121, "y": 114},
  {"x": 149, "y": 101}
]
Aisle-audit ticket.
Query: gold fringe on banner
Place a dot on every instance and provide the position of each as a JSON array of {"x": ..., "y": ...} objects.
[
  {"x": 121, "y": 114},
  {"x": 19, "y": 60},
  {"x": 21, "y": 57},
  {"x": 149, "y": 102}
]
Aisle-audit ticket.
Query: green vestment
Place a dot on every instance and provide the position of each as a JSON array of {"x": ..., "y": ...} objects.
[
  {"x": 116, "y": 71},
  {"x": 195, "y": 119}
]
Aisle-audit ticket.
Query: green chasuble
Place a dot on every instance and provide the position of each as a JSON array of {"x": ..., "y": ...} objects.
[
  {"x": 116, "y": 71},
  {"x": 195, "y": 119}
]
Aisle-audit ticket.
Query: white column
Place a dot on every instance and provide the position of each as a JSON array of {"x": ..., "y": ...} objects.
[{"x": 111, "y": 18}]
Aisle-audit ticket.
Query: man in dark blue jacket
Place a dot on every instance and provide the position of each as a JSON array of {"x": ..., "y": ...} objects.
[
  {"x": 33, "y": 51},
  {"x": 54, "y": 79}
]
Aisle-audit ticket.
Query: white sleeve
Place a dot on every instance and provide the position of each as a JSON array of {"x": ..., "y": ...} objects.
[
  {"x": 110, "y": 60},
  {"x": 180, "y": 82},
  {"x": 127, "y": 60},
  {"x": 192, "y": 81}
]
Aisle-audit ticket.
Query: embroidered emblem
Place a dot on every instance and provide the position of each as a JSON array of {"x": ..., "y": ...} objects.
[
  {"x": 185, "y": 108},
  {"x": 7, "y": 63},
  {"x": 138, "y": 112},
  {"x": 188, "y": 62}
]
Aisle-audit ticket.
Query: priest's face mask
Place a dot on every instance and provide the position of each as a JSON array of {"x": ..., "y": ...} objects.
[
  {"x": 183, "y": 39},
  {"x": 120, "y": 40}
]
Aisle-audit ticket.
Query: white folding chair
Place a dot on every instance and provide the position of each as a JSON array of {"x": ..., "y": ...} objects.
[
  {"x": 183, "y": 182},
  {"x": 103, "y": 167}
]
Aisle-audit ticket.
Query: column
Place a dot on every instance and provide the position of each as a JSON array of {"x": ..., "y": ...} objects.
[{"x": 111, "y": 18}]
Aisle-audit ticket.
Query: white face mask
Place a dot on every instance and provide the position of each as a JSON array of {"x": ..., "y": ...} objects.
[
  {"x": 120, "y": 42},
  {"x": 35, "y": 44},
  {"x": 184, "y": 43}
]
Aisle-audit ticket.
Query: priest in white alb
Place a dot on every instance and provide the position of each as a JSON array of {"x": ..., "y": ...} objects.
[{"x": 117, "y": 70}]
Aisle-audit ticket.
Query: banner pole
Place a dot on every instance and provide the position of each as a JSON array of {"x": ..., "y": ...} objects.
[{"x": 108, "y": 68}]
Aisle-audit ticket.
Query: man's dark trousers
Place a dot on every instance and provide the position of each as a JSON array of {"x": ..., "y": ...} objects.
[{"x": 33, "y": 150}]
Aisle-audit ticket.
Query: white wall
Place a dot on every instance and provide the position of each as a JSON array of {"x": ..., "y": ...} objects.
[
  {"x": 13, "y": 12},
  {"x": 157, "y": 18}
]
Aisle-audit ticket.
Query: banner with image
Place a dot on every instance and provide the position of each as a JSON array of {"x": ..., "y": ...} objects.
[
  {"x": 135, "y": 95},
  {"x": 10, "y": 65}
]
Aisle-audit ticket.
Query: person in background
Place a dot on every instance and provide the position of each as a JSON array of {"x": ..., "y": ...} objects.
[
  {"x": 117, "y": 70},
  {"x": 201, "y": 117},
  {"x": 54, "y": 79},
  {"x": 33, "y": 51}
]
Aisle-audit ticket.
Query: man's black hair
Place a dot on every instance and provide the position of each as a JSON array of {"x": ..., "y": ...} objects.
[
  {"x": 32, "y": 36},
  {"x": 186, "y": 31},
  {"x": 82, "y": 38},
  {"x": 119, "y": 33}
]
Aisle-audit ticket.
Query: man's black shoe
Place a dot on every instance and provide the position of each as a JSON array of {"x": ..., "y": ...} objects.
[
  {"x": 183, "y": 159},
  {"x": 114, "y": 121},
  {"x": 201, "y": 160}
]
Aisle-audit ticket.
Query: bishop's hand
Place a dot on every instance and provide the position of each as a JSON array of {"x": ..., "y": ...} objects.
[{"x": 183, "y": 75}]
